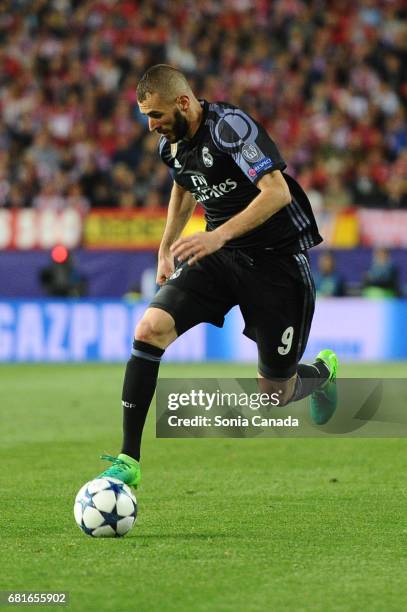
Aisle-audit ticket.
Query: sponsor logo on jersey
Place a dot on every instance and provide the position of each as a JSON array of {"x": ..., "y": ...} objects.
[
  {"x": 264, "y": 164},
  {"x": 252, "y": 153},
  {"x": 207, "y": 157},
  {"x": 202, "y": 191},
  {"x": 252, "y": 172},
  {"x": 177, "y": 164}
]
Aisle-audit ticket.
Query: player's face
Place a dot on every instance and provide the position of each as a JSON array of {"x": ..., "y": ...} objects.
[{"x": 164, "y": 118}]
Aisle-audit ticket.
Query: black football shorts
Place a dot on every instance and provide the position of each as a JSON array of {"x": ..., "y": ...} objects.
[{"x": 274, "y": 292}]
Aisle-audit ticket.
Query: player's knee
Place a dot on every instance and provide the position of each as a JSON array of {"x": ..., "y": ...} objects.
[
  {"x": 157, "y": 327},
  {"x": 283, "y": 389}
]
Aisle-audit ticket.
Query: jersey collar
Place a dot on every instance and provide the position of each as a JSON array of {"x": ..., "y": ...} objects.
[{"x": 191, "y": 142}]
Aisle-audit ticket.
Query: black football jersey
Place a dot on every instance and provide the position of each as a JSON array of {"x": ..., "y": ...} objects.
[{"x": 221, "y": 165}]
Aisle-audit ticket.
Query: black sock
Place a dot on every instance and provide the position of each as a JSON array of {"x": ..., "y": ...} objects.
[
  {"x": 309, "y": 378},
  {"x": 138, "y": 389}
]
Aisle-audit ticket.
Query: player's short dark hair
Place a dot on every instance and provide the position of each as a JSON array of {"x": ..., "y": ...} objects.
[{"x": 162, "y": 79}]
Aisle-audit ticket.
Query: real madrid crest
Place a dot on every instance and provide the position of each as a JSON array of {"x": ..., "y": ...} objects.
[{"x": 207, "y": 157}]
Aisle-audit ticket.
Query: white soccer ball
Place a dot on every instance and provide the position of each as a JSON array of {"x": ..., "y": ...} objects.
[{"x": 105, "y": 508}]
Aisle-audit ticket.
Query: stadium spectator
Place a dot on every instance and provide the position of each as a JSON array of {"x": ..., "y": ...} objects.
[
  {"x": 328, "y": 282},
  {"x": 382, "y": 279},
  {"x": 68, "y": 72},
  {"x": 61, "y": 278},
  {"x": 337, "y": 196}
]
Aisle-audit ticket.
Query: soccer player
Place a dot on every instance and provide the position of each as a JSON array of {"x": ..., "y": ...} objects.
[{"x": 259, "y": 227}]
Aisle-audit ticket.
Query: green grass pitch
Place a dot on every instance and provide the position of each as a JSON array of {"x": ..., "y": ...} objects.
[{"x": 224, "y": 524}]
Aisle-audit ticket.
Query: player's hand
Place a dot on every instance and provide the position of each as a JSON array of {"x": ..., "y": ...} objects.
[
  {"x": 165, "y": 268},
  {"x": 193, "y": 248}
]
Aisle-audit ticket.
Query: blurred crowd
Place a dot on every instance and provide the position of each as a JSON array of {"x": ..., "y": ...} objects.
[
  {"x": 382, "y": 279},
  {"x": 326, "y": 78}
]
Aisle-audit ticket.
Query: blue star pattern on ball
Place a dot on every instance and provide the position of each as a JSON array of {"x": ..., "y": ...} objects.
[
  {"x": 86, "y": 500},
  {"x": 116, "y": 487},
  {"x": 105, "y": 507}
]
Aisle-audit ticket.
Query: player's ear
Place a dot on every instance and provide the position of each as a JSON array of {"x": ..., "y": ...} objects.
[{"x": 183, "y": 102}]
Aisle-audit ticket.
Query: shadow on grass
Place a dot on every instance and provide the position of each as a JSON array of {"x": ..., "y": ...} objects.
[{"x": 180, "y": 536}]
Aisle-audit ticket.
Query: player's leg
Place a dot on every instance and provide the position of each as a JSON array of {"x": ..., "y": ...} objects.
[
  {"x": 284, "y": 388},
  {"x": 323, "y": 396},
  {"x": 319, "y": 378},
  {"x": 279, "y": 320},
  {"x": 193, "y": 295},
  {"x": 154, "y": 333}
]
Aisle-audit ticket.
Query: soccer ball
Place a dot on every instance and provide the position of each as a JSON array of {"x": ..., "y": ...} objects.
[{"x": 105, "y": 508}]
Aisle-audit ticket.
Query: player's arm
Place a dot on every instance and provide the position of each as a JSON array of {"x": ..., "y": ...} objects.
[
  {"x": 180, "y": 209},
  {"x": 274, "y": 195}
]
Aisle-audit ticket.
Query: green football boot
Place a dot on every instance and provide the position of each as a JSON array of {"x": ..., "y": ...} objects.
[
  {"x": 324, "y": 399},
  {"x": 123, "y": 468}
]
